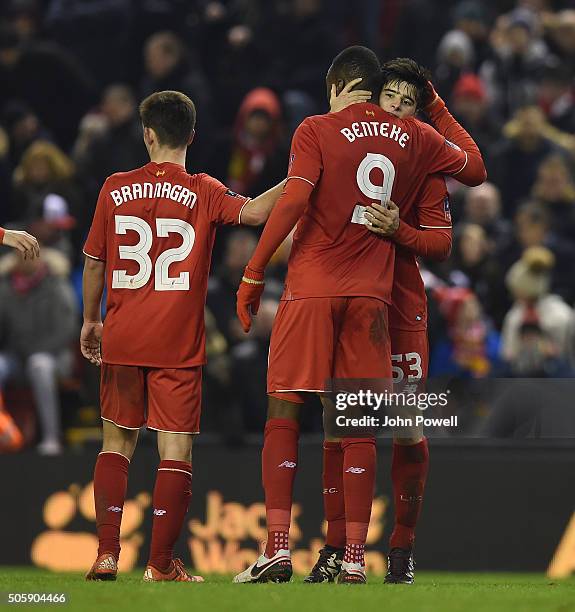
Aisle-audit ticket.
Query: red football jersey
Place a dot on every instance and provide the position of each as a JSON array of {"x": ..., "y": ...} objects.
[
  {"x": 155, "y": 228},
  {"x": 408, "y": 310},
  {"x": 354, "y": 157}
]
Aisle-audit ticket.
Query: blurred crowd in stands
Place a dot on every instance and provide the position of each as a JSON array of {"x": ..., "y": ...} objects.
[{"x": 73, "y": 71}]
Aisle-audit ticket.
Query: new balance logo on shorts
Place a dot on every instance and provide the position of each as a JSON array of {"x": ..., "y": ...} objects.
[
  {"x": 114, "y": 509},
  {"x": 288, "y": 464},
  {"x": 355, "y": 470},
  {"x": 159, "y": 512}
]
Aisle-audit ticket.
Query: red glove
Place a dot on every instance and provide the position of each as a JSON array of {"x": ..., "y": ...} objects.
[
  {"x": 434, "y": 102},
  {"x": 248, "y": 296}
]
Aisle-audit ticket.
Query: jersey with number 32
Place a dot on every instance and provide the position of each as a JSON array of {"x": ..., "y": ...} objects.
[
  {"x": 155, "y": 228},
  {"x": 352, "y": 158}
]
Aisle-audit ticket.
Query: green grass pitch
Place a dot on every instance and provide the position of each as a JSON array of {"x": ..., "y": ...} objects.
[{"x": 432, "y": 592}]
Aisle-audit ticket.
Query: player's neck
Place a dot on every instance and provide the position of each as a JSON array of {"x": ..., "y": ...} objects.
[{"x": 174, "y": 156}]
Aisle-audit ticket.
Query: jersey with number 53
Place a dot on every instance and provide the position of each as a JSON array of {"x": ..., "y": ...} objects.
[
  {"x": 155, "y": 228},
  {"x": 357, "y": 156}
]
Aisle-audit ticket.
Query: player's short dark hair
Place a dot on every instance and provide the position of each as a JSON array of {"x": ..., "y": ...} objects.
[
  {"x": 354, "y": 63},
  {"x": 404, "y": 69},
  {"x": 172, "y": 115}
]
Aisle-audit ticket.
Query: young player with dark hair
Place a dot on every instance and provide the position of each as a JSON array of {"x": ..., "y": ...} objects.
[
  {"x": 406, "y": 89},
  {"x": 151, "y": 242},
  {"x": 332, "y": 321}
]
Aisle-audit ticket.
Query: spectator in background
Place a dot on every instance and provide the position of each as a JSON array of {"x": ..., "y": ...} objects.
[
  {"x": 455, "y": 57},
  {"x": 46, "y": 197},
  {"x": 255, "y": 157},
  {"x": 514, "y": 160},
  {"x": 120, "y": 146},
  {"x": 475, "y": 267},
  {"x": 38, "y": 321},
  {"x": 53, "y": 83},
  {"x": 533, "y": 228},
  {"x": 470, "y": 107},
  {"x": 529, "y": 282},
  {"x": 519, "y": 58},
  {"x": 482, "y": 206},
  {"x": 24, "y": 127},
  {"x": 471, "y": 17},
  {"x": 554, "y": 188},
  {"x": 222, "y": 285},
  {"x": 556, "y": 96},
  {"x": 560, "y": 27},
  {"x": 169, "y": 65},
  {"x": 471, "y": 347}
]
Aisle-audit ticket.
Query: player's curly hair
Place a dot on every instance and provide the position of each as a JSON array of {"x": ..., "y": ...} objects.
[
  {"x": 404, "y": 69},
  {"x": 172, "y": 115}
]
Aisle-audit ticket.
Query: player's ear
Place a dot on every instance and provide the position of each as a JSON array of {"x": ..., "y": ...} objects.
[
  {"x": 149, "y": 136},
  {"x": 339, "y": 85},
  {"x": 191, "y": 138}
]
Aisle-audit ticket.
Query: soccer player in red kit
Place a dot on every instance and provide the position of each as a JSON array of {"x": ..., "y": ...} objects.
[
  {"x": 150, "y": 243},
  {"x": 407, "y": 324},
  {"x": 332, "y": 321}
]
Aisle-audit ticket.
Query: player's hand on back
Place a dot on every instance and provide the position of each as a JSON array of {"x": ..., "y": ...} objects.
[
  {"x": 90, "y": 341},
  {"x": 23, "y": 242},
  {"x": 382, "y": 220},
  {"x": 248, "y": 296},
  {"x": 347, "y": 97}
]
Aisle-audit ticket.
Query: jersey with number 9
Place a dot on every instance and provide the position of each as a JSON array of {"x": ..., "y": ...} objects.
[
  {"x": 353, "y": 158},
  {"x": 155, "y": 228}
]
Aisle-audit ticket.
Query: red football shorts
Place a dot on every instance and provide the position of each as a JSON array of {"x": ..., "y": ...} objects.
[
  {"x": 167, "y": 399},
  {"x": 409, "y": 355},
  {"x": 316, "y": 339}
]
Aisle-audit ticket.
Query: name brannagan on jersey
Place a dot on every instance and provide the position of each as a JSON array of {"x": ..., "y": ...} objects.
[{"x": 155, "y": 228}]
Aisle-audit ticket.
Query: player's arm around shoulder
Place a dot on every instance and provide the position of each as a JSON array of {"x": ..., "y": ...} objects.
[{"x": 257, "y": 210}]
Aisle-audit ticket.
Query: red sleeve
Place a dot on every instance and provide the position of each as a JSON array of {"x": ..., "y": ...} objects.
[
  {"x": 434, "y": 239},
  {"x": 305, "y": 161},
  {"x": 305, "y": 167},
  {"x": 2, "y": 232},
  {"x": 474, "y": 172},
  {"x": 286, "y": 213},
  {"x": 95, "y": 246},
  {"x": 224, "y": 205}
]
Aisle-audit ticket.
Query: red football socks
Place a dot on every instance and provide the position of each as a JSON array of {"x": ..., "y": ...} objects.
[
  {"x": 279, "y": 464},
  {"x": 409, "y": 467},
  {"x": 171, "y": 499},
  {"x": 333, "y": 499},
  {"x": 110, "y": 484},
  {"x": 359, "y": 463}
]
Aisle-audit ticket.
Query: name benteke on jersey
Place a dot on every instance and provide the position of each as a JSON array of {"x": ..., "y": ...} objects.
[
  {"x": 142, "y": 191},
  {"x": 361, "y": 129}
]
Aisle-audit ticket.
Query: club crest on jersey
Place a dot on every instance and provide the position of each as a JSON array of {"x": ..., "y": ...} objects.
[
  {"x": 446, "y": 209},
  {"x": 452, "y": 145}
]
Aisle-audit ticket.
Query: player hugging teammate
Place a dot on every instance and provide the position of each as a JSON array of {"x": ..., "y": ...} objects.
[
  {"x": 353, "y": 270},
  {"x": 353, "y": 304}
]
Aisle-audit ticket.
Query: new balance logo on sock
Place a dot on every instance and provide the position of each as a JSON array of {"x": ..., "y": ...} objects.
[
  {"x": 114, "y": 509},
  {"x": 288, "y": 464},
  {"x": 159, "y": 512},
  {"x": 355, "y": 470}
]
